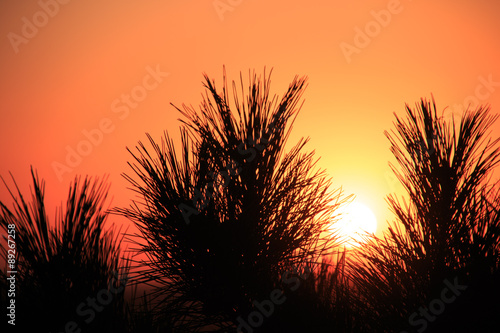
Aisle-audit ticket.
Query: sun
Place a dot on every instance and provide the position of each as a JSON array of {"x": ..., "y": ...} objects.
[{"x": 355, "y": 224}]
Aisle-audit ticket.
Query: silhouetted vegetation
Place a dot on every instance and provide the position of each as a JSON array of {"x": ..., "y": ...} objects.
[
  {"x": 234, "y": 232},
  {"x": 225, "y": 220},
  {"x": 449, "y": 230},
  {"x": 60, "y": 267}
]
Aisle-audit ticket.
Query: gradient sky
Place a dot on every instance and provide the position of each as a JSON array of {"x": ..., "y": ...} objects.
[{"x": 68, "y": 74}]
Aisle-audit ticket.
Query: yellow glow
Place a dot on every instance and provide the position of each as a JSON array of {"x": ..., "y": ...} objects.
[{"x": 356, "y": 223}]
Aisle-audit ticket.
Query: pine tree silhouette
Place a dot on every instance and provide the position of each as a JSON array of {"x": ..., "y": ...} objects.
[
  {"x": 59, "y": 267},
  {"x": 226, "y": 219},
  {"x": 447, "y": 233}
]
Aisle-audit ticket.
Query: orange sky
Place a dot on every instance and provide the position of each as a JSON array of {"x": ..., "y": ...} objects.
[{"x": 64, "y": 73}]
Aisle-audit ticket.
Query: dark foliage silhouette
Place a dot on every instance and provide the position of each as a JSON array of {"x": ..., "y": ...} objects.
[
  {"x": 322, "y": 302},
  {"x": 449, "y": 230},
  {"x": 235, "y": 218},
  {"x": 223, "y": 222},
  {"x": 60, "y": 266}
]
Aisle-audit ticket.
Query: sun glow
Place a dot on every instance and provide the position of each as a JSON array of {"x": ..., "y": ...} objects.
[{"x": 355, "y": 224}]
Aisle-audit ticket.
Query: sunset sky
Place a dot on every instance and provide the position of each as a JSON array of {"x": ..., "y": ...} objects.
[{"x": 67, "y": 69}]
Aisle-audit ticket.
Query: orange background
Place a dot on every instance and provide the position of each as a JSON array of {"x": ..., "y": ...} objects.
[{"x": 65, "y": 77}]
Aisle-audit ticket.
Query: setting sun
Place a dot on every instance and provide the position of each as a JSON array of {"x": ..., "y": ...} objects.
[
  {"x": 250, "y": 166},
  {"x": 356, "y": 222}
]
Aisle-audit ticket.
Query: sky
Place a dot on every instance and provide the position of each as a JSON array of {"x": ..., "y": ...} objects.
[{"x": 82, "y": 80}]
